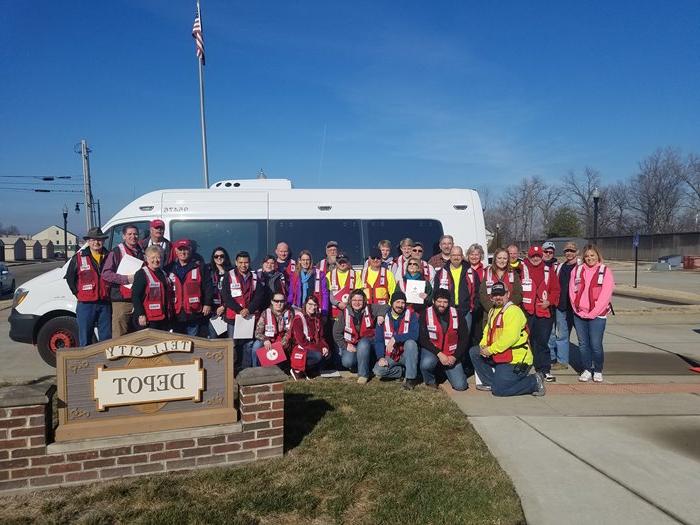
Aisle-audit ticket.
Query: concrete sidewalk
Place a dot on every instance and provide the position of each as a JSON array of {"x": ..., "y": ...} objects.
[{"x": 626, "y": 451}]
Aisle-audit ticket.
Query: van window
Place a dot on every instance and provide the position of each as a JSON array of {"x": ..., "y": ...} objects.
[
  {"x": 313, "y": 234},
  {"x": 234, "y": 235},
  {"x": 427, "y": 231},
  {"x": 114, "y": 234}
]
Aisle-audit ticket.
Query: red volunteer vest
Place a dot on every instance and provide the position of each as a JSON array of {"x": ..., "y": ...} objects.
[
  {"x": 91, "y": 287},
  {"x": 155, "y": 298},
  {"x": 594, "y": 288},
  {"x": 123, "y": 290},
  {"x": 445, "y": 282},
  {"x": 241, "y": 291},
  {"x": 341, "y": 294},
  {"x": 389, "y": 332},
  {"x": 188, "y": 295},
  {"x": 492, "y": 278},
  {"x": 534, "y": 292},
  {"x": 351, "y": 335},
  {"x": 272, "y": 331},
  {"x": 378, "y": 293},
  {"x": 447, "y": 343}
]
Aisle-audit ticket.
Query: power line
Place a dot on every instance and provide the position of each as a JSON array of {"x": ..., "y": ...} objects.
[
  {"x": 45, "y": 178},
  {"x": 34, "y": 183},
  {"x": 40, "y": 190}
]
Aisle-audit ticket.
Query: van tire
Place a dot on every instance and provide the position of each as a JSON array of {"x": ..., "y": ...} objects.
[{"x": 59, "y": 332}]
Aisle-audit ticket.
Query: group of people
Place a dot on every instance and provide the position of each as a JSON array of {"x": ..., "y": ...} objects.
[{"x": 498, "y": 320}]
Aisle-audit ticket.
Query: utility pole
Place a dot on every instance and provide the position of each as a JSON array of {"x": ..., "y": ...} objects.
[{"x": 87, "y": 184}]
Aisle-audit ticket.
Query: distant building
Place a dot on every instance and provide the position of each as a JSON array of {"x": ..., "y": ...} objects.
[
  {"x": 55, "y": 235},
  {"x": 15, "y": 249}
]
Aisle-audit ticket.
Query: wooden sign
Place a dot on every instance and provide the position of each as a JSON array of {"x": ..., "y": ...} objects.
[{"x": 144, "y": 382}]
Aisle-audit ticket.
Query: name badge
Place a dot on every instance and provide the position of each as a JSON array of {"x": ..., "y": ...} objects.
[
  {"x": 432, "y": 335},
  {"x": 334, "y": 288},
  {"x": 87, "y": 287},
  {"x": 269, "y": 330},
  {"x": 527, "y": 285},
  {"x": 193, "y": 300},
  {"x": 236, "y": 290},
  {"x": 154, "y": 307}
]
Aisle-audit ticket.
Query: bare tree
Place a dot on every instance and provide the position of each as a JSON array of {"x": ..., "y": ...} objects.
[
  {"x": 579, "y": 191},
  {"x": 616, "y": 214},
  {"x": 549, "y": 199},
  {"x": 656, "y": 191}
]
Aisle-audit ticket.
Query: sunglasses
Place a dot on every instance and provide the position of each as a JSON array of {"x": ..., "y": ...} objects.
[
  {"x": 219, "y": 256},
  {"x": 278, "y": 300},
  {"x": 417, "y": 250},
  {"x": 413, "y": 264},
  {"x": 551, "y": 252},
  {"x": 569, "y": 250}
]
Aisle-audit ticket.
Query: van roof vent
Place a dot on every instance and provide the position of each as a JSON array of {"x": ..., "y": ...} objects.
[{"x": 252, "y": 184}]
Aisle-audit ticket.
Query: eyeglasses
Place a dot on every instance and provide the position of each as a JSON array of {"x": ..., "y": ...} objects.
[
  {"x": 550, "y": 252},
  {"x": 218, "y": 256},
  {"x": 413, "y": 264},
  {"x": 278, "y": 300},
  {"x": 419, "y": 250},
  {"x": 569, "y": 250}
]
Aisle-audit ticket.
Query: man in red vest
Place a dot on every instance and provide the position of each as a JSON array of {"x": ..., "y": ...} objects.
[
  {"x": 157, "y": 237},
  {"x": 285, "y": 264},
  {"x": 84, "y": 278},
  {"x": 443, "y": 339},
  {"x": 192, "y": 289},
  {"x": 540, "y": 294},
  {"x": 120, "y": 291}
]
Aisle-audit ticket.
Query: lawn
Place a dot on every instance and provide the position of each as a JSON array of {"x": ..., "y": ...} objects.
[{"x": 372, "y": 454}]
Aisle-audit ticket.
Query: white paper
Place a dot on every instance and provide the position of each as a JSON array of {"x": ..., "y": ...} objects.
[
  {"x": 218, "y": 324},
  {"x": 413, "y": 291},
  {"x": 129, "y": 265},
  {"x": 244, "y": 327}
]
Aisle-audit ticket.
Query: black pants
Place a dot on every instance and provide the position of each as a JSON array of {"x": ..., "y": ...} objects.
[{"x": 540, "y": 330}]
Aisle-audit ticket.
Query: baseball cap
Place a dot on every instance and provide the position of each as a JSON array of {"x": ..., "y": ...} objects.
[
  {"x": 498, "y": 289},
  {"x": 534, "y": 250},
  {"x": 375, "y": 253},
  {"x": 331, "y": 244},
  {"x": 157, "y": 223},
  {"x": 342, "y": 258},
  {"x": 549, "y": 245},
  {"x": 182, "y": 243}
]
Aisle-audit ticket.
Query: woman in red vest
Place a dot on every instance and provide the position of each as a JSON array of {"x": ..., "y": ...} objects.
[
  {"x": 499, "y": 271},
  {"x": 309, "y": 347},
  {"x": 151, "y": 293},
  {"x": 590, "y": 290}
]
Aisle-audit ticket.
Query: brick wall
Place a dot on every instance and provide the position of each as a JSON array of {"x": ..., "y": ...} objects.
[{"x": 27, "y": 463}]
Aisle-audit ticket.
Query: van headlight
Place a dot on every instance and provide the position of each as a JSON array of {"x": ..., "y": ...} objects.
[{"x": 20, "y": 295}]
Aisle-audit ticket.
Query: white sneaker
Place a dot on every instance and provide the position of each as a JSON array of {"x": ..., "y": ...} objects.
[
  {"x": 585, "y": 376},
  {"x": 598, "y": 377}
]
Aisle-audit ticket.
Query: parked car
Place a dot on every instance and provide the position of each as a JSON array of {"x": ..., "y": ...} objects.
[{"x": 7, "y": 280}]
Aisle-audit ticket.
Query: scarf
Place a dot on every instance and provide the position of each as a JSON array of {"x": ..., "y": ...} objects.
[{"x": 305, "y": 278}]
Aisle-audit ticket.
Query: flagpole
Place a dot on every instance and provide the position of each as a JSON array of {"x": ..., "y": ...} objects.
[{"x": 200, "y": 61}]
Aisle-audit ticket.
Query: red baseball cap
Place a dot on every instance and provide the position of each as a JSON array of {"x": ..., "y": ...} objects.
[
  {"x": 157, "y": 223},
  {"x": 182, "y": 243},
  {"x": 534, "y": 250}
]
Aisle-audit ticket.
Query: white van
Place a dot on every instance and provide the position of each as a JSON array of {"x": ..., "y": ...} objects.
[{"x": 254, "y": 215}]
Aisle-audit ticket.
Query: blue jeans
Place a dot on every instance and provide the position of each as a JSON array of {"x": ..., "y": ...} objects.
[
  {"x": 89, "y": 315},
  {"x": 502, "y": 378},
  {"x": 590, "y": 342},
  {"x": 540, "y": 330},
  {"x": 559, "y": 338},
  {"x": 429, "y": 363},
  {"x": 408, "y": 360},
  {"x": 359, "y": 359},
  {"x": 243, "y": 350}
]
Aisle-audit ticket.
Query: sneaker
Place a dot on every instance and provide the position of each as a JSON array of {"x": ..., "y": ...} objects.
[
  {"x": 539, "y": 377},
  {"x": 585, "y": 376},
  {"x": 598, "y": 377},
  {"x": 549, "y": 378},
  {"x": 560, "y": 366},
  {"x": 483, "y": 387},
  {"x": 362, "y": 380},
  {"x": 409, "y": 384}
]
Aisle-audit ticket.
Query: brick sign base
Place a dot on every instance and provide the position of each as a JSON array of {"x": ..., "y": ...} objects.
[{"x": 28, "y": 459}]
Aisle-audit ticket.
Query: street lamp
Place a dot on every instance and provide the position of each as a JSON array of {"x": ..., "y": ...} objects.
[
  {"x": 65, "y": 231},
  {"x": 596, "y": 198},
  {"x": 498, "y": 235}
]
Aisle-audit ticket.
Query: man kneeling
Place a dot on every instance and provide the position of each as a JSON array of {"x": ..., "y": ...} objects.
[
  {"x": 396, "y": 345},
  {"x": 503, "y": 358}
]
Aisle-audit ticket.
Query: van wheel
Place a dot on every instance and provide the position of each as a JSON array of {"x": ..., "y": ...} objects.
[{"x": 57, "y": 333}]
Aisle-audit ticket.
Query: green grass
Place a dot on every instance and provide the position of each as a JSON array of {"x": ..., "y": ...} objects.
[{"x": 372, "y": 454}]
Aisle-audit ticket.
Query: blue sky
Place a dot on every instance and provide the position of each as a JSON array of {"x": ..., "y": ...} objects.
[{"x": 414, "y": 94}]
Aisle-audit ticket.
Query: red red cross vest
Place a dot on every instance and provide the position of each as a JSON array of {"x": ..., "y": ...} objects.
[
  {"x": 445, "y": 282},
  {"x": 533, "y": 292},
  {"x": 341, "y": 294},
  {"x": 123, "y": 290},
  {"x": 291, "y": 268},
  {"x": 216, "y": 281},
  {"x": 188, "y": 295},
  {"x": 155, "y": 302},
  {"x": 377, "y": 293},
  {"x": 389, "y": 332},
  {"x": 594, "y": 288},
  {"x": 272, "y": 331},
  {"x": 351, "y": 334},
  {"x": 91, "y": 287},
  {"x": 447, "y": 343},
  {"x": 241, "y": 292},
  {"x": 492, "y": 278}
]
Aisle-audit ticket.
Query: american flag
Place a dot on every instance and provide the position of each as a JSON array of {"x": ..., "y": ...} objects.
[{"x": 197, "y": 34}]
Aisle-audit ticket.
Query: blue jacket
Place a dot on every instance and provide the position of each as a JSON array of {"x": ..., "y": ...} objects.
[{"x": 412, "y": 334}]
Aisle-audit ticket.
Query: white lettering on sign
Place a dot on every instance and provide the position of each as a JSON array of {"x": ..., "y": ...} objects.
[
  {"x": 131, "y": 386},
  {"x": 164, "y": 347}
]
